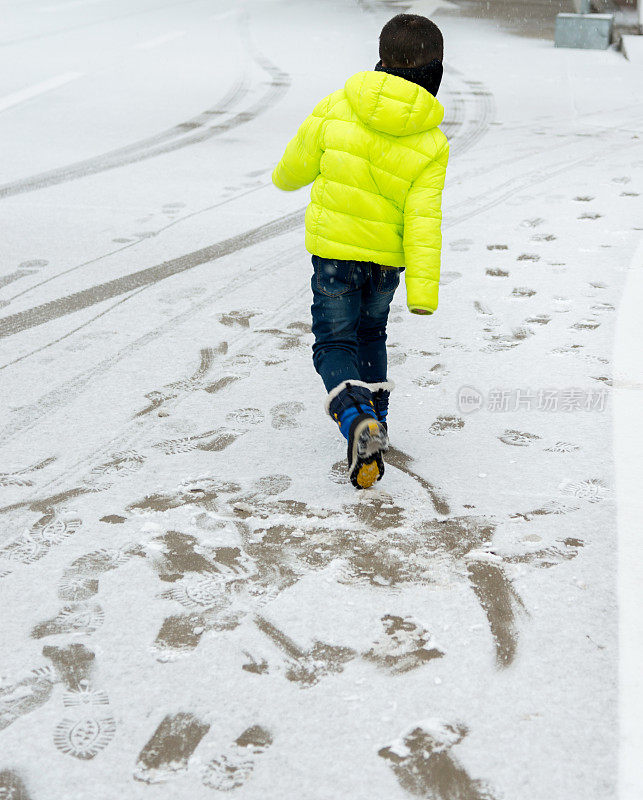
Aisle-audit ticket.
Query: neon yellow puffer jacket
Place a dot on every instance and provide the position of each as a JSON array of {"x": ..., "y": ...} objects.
[{"x": 378, "y": 162}]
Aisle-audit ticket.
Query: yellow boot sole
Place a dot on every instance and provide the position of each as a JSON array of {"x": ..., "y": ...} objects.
[
  {"x": 368, "y": 474},
  {"x": 367, "y": 441}
]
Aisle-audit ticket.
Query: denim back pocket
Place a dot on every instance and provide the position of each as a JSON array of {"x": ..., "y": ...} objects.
[
  {"x": 333, "y": 276},
  {"x": 389, "y": 279}
]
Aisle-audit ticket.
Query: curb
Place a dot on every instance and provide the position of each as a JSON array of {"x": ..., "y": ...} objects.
[{"x": 628, "y": 457}]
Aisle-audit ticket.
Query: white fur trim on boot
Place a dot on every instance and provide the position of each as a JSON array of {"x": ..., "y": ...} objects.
[
  {"x": 388, "y": 386},
  {"x": 340, "y": 388}
]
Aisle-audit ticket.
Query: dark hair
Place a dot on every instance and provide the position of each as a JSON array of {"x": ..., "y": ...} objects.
[{"x": 409, "y": 40}]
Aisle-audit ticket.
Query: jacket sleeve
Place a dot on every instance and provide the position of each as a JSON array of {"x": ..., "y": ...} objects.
[
  {"x": 300, "y": 163},
  {"x": 423, "y": 235}
]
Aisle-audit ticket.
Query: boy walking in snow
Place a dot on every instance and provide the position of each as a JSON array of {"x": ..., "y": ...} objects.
[{"x": 378, "y": 163}]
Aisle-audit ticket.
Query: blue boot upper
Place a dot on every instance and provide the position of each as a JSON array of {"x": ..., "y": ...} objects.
[
  {"x": 350, "y": 403},
  {"x": 380, "y": 403}
]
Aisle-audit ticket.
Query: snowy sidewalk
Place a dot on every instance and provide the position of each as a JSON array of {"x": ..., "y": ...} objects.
[{"x": 194, "y": 599}]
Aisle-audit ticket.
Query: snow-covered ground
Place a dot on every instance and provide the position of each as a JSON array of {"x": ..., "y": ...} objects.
[{"x": 193, "y": 598}]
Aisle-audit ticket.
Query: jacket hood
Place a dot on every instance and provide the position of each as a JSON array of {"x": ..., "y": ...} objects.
[{"x": 391, "y": 104}]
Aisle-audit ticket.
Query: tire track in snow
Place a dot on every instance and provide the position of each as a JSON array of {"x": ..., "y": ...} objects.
[
  {"x": 454, "y": 119},
  {"x": 61, "y": 395},
  {"x": 95, "y": 260},
  {"x": 71, "y": 332},
  {"x": 172, "y": 139},
  {"x": 465, "y": 136},
  {"x": 67, "y": 391},
  {"x": 55, "y": 309},
  {"x": 128, "y": 438},
  {"x": 39, "y": 315},
  {"x": 131, "y": 153},
  {"x": 520, "y": 182},
  {"x": 473, "y": 111}
]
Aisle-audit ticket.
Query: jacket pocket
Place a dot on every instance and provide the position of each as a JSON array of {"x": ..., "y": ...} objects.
[{"x": 334, "y": 277}]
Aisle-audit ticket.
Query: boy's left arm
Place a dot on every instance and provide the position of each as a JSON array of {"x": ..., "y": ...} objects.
[
  {"x": 423, "y": 235},
  {"x": 300, "y": 163}
]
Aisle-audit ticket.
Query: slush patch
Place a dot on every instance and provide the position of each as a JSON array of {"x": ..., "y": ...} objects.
[
  {"x": 405, "y": 645},
  {"x": 502, "y": 605},
  {"x": 424, "y": 767},
  {"x": 12, "y": 786},
  {"x": 170, "y": 748},
  {"x": 73, "y": 663},
  {"x": 306, "y": 667}
]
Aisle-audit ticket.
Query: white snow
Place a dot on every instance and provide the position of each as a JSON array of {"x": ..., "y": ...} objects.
[
  {"x": 628, "y": 445},
  {"x": 172, "y": 496}
]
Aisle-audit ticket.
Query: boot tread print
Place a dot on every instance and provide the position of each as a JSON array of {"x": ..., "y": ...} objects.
[{"x": 366, "y": 443}]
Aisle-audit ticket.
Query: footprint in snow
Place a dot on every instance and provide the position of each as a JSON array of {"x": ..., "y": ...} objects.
[
  {"x": 76, "y": 618},
  {"x": 239, "y": 318},
  {"x": 518, "y": 438},
  {"x": 234, "y": 767},
  {"x": 436, "y": 373},
  {"x": 539, "y": 319},
  {"x": 245, "y": 416},
  {"x": 586, "y": 324},
  {"x": 284, "y": 415},
  {"x": 12, "y": 786},
  {"x": 88, "y": 726},
  {"x": 405, "y": 645},
  {"x": 170, "y": 748},
  {"x": 593, "y": 490},
  {"x": 562, "y": 447},
  {"x": 424, "y": 766},
  {"x": 532, "y": 223},
  {"x": 448, "y": 277},
  {"x": 461, "y": 245},
  {"x": 445, "y": 423},
  {"x": 271, "y": 485}
]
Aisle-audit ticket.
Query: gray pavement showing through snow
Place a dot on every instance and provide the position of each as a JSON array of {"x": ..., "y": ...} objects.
[{"x": 194, "y": 600}]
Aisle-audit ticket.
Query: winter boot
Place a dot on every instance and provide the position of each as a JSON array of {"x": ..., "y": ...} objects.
[
  {"x": 381, "y": 393},
  {"x": 351, "y": 406}
]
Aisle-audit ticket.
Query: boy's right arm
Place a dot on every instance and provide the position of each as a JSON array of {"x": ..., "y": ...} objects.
[
  {"x": 300, "y": 163},
  {"x": 423, "y": 235}
]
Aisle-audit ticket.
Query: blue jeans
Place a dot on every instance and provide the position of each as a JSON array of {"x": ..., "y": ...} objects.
[{"x": 351, "y": 301}]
